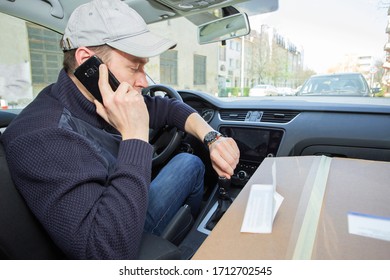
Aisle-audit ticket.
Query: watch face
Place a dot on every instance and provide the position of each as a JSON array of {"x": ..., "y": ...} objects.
[{"x": 210, "y": 137}]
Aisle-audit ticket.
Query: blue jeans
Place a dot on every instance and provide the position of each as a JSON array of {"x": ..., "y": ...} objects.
[{"x": 179, "y": 182}]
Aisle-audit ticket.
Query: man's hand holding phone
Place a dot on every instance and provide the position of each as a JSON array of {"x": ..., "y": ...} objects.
[{"x": 124, "y": 109}]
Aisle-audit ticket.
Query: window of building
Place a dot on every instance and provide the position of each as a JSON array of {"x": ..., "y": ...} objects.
[
  {"x": 199, "y": 69},
  {"x": 222, "y": 53},
  {"x": 168, "y": 67},
  {"x": 231, "y": 44},
  {"x": 45, "y": 53}
]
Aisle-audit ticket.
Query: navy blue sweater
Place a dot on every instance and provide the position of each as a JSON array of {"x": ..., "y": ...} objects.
[{"x": 88, "y": 188}]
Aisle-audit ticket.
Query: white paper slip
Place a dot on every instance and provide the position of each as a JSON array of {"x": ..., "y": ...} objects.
[
  {"x": 263, "y": 204},
  {"x": 369, "y": 226}
]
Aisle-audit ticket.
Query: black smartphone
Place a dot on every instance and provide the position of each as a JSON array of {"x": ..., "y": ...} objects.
[{"x": 88, "y": 74}]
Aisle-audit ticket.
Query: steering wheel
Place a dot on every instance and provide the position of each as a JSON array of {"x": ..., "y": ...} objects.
[{"x": 164, "y": 140}]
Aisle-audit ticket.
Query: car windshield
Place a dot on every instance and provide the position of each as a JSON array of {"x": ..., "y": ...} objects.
[{"x": 285, "y": 48}]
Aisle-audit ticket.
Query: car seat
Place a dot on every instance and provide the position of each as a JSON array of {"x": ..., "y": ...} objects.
[{"x": 21, "y": 235}]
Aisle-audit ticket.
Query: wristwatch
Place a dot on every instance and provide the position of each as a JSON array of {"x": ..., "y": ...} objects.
[{"x": 211, "y": 137}]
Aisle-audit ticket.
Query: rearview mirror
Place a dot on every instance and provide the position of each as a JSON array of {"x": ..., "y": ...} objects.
[{"x": 233, "y": 26}]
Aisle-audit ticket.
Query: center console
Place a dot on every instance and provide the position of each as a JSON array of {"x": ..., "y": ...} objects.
[{"x": 254, "y": 144}]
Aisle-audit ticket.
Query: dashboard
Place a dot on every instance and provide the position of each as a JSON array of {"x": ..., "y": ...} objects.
[{"x": 348, "y": 127}]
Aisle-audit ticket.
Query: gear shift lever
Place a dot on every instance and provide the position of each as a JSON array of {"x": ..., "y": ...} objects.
[{"x": 224, "y": 201}]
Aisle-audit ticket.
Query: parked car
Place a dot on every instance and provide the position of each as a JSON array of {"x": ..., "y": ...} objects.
[
  {"x": 263, "y": 90},
  {"x": 341, "y": 120},
  {"x": 284, "y": 91},
  {"x": 338, "y": 84}
]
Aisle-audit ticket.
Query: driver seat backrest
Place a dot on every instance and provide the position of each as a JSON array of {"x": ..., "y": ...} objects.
[{"x": 21, "y": 235}]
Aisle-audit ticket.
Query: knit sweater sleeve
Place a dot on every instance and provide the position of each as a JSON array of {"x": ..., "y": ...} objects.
[
  {"x": 64, "y": 181},
  {"x": 164, "y": 111}
]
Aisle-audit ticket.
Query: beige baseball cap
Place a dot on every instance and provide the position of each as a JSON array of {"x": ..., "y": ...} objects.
[{"x": 114, "y": 23}]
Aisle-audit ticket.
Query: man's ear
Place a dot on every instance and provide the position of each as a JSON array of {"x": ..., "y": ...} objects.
[{"x": 82, "y": 54}]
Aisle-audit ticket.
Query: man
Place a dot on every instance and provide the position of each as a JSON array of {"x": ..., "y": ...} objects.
[{"x": 84, "y": 167}]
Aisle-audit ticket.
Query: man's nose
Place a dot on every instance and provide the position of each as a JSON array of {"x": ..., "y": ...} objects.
[{"x": 141, "y": 81}]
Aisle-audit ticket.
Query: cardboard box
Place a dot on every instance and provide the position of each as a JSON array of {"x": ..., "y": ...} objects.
[{"x": 330, "y": 211}]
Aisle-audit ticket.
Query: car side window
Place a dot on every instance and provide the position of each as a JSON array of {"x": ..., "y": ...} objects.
[{"x": 30, "y": 59}]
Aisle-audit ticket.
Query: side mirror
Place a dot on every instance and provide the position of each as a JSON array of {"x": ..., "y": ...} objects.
[{"x": 233, "y": 26}]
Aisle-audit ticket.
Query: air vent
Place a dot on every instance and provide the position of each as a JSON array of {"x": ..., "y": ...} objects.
[
  {"x": 278, "y": 116},
  {"x": 274, "y": 116},
  {"x": 234, "y": 115}
]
